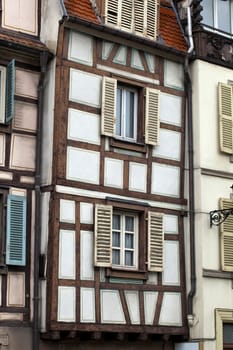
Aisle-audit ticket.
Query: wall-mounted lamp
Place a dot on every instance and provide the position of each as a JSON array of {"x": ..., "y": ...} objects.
[{"x": 219, "y": 216}]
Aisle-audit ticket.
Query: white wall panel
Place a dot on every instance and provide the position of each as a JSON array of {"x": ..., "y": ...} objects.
[
  {"x": 110, "y": 300},
  {"x": 22, "y": 145},
  {"x": 90, "y": 91},
  {"x": 16, "y": 289},
  {"x": 169, "y": 145},
  {"x": 86, "y": 213},
  {"x": 170, "y": 224},
  {"x": 170, "y": 109},
  {"x": 87, "y": 305},
  {"x": 67, "y": 211},
  {"x": 171, "y": 310},
  {"x": 137, "y": 177},
  {"x": 83, "y": 165},
  {"x": 174, "y": 75},
  {"x": 171, "y": 272},
  {"x": 2, "y": 150},
  {"x": 83, "y": 126},
  {"x": 132, "y": 301},
  {"x": 106, "y": 49},
  {"x": 66, "y": 304},
  {"x": 121, "y": 55},
  {"x": 86, "y": 255},
  {"x": 25, "y": 117},
  {"x": 113, "y": 172},
  {"x": 150, "y": 301},
  {"x": 81, "y": 48},
  {"x": 165, "y": 180},
  {"x": 26, "y": 83},
  {"x": 67, "y": 257},
  {"x": 136, "y": 61}
]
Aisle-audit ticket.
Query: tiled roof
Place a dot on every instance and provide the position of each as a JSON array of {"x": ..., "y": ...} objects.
[
  {"x": 81, "y": 9},
  {"x": 23, "y": 41},
  {"x": 169, "y": 29}
]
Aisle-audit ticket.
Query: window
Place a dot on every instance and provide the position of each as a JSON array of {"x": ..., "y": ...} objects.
[
  {"x": 7, "y": 82},
  {"x": 226, "y": 237},
  {"x": 124, "y": 239},
  {"x": 217, "y": 14},
  {"x": 228, "y": 335},
  {"x": 137, "y": 16},
  {"x": 224, "y": 329},
  {"x": 126, "y": 113},
  {"x": 120, "y": 112},
  {"x": 117, "y": 236}
]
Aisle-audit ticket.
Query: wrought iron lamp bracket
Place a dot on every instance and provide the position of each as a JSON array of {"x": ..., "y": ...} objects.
[{"x": 217, "y": 217}]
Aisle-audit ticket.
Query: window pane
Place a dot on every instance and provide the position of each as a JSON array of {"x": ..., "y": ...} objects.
[
  {"x": 129, "y": 223},
  {"x": 207, "y": 13},
  {"x": 129, "y": 117},
  {"x": 129, "y": 238},
  {"x": 129, "y": 258},
  {"x": 228, "y": 333},
  {"x": 116, "y": 239},
  {"x": 116, "y": 222},
  {"x": 116, "y": 257},
  {"x": 224, "y": 13},
  {"x": 119, "y": 112}
]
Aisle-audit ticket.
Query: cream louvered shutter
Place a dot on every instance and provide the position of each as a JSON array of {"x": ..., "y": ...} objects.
[
  {"x": 139, "y": 17},
  {"x": 103, "y": 235},
  {"x": 152, "y": 18},
  {"x": 226, "y": 237},
  {"x": 111, "y": 12},
  {"x": 152, "y": 116},
  {"x": 225, "y": 117},
  {"x": 155, "y": 241},
  {"x": 126, "y": 14},
  {"x": 108, "y": 112}
]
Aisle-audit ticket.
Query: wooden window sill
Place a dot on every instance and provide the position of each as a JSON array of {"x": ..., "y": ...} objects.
[
  {"x": 131, "y": 146},
  {"x": 140, "y": 275}
]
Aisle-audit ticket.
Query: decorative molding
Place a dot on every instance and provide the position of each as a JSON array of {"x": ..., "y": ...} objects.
[{"x": 217, "y": 274}]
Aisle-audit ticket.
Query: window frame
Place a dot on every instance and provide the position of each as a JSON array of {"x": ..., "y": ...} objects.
[
  {"x": 123, "y": 113},
  {"x": 2, "y": 94},
  {"x": 215, "y": 17},
  {"x": 122, "y": 248},
  {"x": 222, "y": 316}
]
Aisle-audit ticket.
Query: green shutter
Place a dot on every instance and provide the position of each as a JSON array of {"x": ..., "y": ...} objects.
[
  {"x": 16, "y": 230},
  {"x": 10, "y": 89}
]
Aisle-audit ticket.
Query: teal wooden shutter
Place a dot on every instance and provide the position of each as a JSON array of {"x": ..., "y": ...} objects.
[
  {"x": 16, "y": 230},
  {"x": 10, "y": 89}
]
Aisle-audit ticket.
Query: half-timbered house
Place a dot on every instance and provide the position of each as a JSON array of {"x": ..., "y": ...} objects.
[
  {"x": 113, "y": 179},
  {"x": 23, "y": 61}
]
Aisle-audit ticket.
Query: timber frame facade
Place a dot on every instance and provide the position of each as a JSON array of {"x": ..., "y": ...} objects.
[{"x": 115, "y": 260}]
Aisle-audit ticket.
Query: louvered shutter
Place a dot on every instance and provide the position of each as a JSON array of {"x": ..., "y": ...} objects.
[
  {"x": 152, "y": 18},
  {"x": 155, "y": 241},
  {"x": 111, "y": 12},
  {"x": 103, "y": 235},
  {"x": 10, "y": 90},
  {"x": 152, "y": 116},
  {"x": 139, "y": 17},
  {"x": 225, "y": 117},
  {"x": 16, "y": 230},
  {"x": 126, "y": 14},
  {"x": 108, "y": 112},
  {"x": 226, "y": 237}
]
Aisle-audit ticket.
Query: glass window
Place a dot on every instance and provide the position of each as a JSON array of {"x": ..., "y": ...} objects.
[
  {"x": 217, "y": 14},
  {"x": 124, "y": 238},
  {"x": 228, "y": 333},
  {"x": 126, "y": 120}
]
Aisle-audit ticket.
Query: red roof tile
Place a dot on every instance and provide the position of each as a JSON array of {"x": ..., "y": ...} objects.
[
  {"x": 81, "y": 9},
  {"x": 169, "y": 29},
  {"x": 20, "y": 40}
]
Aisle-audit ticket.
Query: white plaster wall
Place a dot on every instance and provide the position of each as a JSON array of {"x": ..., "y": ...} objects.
[{"x": 51, "y": 13}]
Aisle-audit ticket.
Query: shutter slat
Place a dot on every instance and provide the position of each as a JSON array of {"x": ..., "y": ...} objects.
[
  {"x": 108, "y": 112},
  {"x": 126, "y": 14},
  {"x": 103, "y": 235},
  {"x": 152, "y": 116},
  {"x": 112, "y": 12},
  {"x": 155, "y": 241},
  {"x": 10, "y": 90},
  {"x": 226, "y": 230},
  {"x": 152, "y": 18},
  {"x": 225, "y": 101},
  {"x": 139, "y": 17},
  {"x": 16, "y": 231}
]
